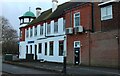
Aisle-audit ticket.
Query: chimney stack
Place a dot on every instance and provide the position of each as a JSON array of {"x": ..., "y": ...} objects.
[
  {"x": 54, "y": 5},
  {"x": 38, "y": 11}
]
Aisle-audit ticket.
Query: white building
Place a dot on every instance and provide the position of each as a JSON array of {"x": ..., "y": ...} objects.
[{"x": 43, "y": 36}]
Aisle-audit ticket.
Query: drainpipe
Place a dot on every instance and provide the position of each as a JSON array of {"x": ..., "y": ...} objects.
[{"x": 93, "y": 29}]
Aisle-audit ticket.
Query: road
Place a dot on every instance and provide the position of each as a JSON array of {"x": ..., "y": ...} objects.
[{"x": 22, "y": 70}]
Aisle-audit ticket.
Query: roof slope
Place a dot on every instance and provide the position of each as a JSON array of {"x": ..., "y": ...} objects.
[{"x": 57, "y": 13}]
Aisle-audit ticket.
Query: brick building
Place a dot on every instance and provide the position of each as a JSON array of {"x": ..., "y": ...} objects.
[
  {"x": 92, "y": 33},
  {"x": 93, "y": 40}
]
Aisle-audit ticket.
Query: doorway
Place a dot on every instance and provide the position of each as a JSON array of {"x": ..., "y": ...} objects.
[{"x": 77, "y": 52}]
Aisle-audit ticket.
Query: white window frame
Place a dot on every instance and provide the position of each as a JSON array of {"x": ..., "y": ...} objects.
[
  {"x": 75, "y": 17},
  {"x": 75, "y": 43},
  {"x": 106, "y": 12}
]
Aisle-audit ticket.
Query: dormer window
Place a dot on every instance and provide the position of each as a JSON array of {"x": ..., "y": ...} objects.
[{"x": 106, "y": 12}]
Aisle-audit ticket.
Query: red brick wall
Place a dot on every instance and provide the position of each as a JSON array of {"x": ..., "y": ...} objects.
[
  {"x": 86, "y": 22},
  {"x": 104, "y": 49}
]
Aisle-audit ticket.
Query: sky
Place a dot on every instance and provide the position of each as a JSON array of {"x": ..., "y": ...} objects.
[{"x": 13, "y": 9}]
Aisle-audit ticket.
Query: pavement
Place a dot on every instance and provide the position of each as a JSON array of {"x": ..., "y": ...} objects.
[{"x": 71, "y": 69}]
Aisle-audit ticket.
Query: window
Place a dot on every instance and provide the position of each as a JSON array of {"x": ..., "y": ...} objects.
[
  {"x": 76, "y": 44},
  {"x": 30, "y": 49},
  {"x": 40, "y": 48},
  {"x": 106, "y": 12},
  {"x": 76, "y": 19},
  {"x": 51, "y": 48},
  {"x": 41, "y": 30},
  {"x": 26, "y": 49},
  {"x": 21, "y": 33},
  {"x": 45, "y": 48},
  {"x": 48, "y": 29},
  {"x": 64, "y": 24},
  {"x": 61, "y": 48},
  {"x": 35, "y": 32},
  {"x": 26, "y": 19},
  {"x": 31, "y": 32},
  {"x": 27, "y": 33},
  {"x": 55, "y": 27}
]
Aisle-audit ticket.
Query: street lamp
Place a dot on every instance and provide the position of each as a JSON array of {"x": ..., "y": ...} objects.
[{"x": 64, "y": 55}]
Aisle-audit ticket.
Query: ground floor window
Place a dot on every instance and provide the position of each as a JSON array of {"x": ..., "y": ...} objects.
[
  {"x": 51, "y": 48},
  {"x": 46, "y": 48},
  {"x": 26, "y": 49},
  {"x": 40, "y": 48},
  {"x": 30, "y": 49},
  {"x": 61, "y": 48}
]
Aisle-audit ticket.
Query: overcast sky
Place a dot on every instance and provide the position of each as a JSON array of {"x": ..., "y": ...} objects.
[{"x": 13, "y": 9}]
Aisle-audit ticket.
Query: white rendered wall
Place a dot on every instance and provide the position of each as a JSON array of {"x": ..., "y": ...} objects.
[{"x": 42, "y": 39}]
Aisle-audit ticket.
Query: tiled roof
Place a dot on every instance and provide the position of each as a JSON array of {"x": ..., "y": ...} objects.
[{"x": 48, "y": 14}]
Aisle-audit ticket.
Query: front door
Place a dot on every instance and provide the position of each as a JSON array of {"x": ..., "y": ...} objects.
[
  {"x": 76, "y": 52},
  {"x": 35, "y": 52}
]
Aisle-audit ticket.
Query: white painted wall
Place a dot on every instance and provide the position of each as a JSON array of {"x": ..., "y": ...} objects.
[{"x": 57, "y": 37}]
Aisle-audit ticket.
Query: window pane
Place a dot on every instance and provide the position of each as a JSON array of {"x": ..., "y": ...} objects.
[
  {"x": 48, "y": 29},
  {"x": 77, "y": 19},
  {"x": 45, "y": 48},
  {"x": 41, "y": 30},
  {"x": 26, "y": 49},
  {"x": 40, "y": 48},
  {"x": 61, "y": 48},
  {"x": 31, "y": 33},
  {"x": 31, "y": 49},
  {"x": 109, "y": 10},
  {"x": 35, "y": 32},
  {"x": 56, "y": 27},
  {"x": 51, "y": 48}
]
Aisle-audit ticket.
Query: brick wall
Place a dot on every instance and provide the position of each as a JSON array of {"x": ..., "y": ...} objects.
[{"x": 104, "y": 49}]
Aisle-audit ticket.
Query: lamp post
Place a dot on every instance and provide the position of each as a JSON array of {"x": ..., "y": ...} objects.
[{"x": 64, "y": 55}]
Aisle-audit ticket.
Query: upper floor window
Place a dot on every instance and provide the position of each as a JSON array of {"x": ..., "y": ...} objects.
[
  {"x": 55, "y": 27},
  {"x": 76, "y": 19},
  {"x": 27, "y": 33},
  {"x": 26, "y": 19},
  {"x": 20, "y": 33},
  {"x": 48, "y": 29},
  {"x": 35, "y": 32},
  {"x": 41, "y": 30},
  {"x": 106, "y": 12},
  {"x": 64, "y": 24},
  {"x": 31, "y": 32}
]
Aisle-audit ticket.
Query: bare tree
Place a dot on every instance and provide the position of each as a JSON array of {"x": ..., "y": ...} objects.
[{"x": 9, "y": 37}]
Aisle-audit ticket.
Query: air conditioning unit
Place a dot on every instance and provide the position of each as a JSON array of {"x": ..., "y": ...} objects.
[
  {"x": 69, "y": 30},
  {"x": 78, "y": 29}
]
